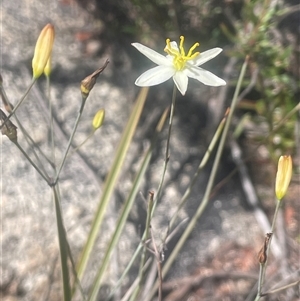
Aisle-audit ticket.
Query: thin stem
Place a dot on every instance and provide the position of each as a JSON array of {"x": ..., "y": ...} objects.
[
  {"x": 71, "y": 139},
  {"x": 263, "y": 267},
  {"x": 158, "y": 262},
  {"x": 212, "y": 175},
  {"x": 275, "y": 216},
  {"x": 31, "y": 162},
  {"x": 51, "y": 121},
  {"x": 82, "y": 143},
  {"x": 129, "y": 291},
  {"x": 206, "y": 196},
  {"x": 143, "y": 256},
  {"x": 63, "y": 242},
  {"x": 27, "y": 137},
  {"x": 170, "y": 124},
  {"x": 274, "y": 130},
  {"x": 260, "y": 280},
  {"x": 200, "y": 167},
  {"x": 286, "y": 117},
  {"x": 108, "y": 188},
  {"x": 19, "y": 103},
  {"x": 283, "y": 288},
  {"x": 167, "y": 154},
  {"x": 32, "y": 143},
  {"x": 158, "y": 129},
  {"x": 63, "y": 247}
]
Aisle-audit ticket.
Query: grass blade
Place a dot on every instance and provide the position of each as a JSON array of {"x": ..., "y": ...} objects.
[
  {"x": 111, "y": 179},
  {"x": 125, "y": 212}
]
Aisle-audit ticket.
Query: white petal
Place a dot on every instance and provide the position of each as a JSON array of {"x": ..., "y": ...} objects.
[
  {"x": 181, "y": 81},
  {"x": 205, "y": 56},
  {"x": 152, "y": 55},
  {"x": 204, "y": 76},
  {"x": 155, "y": 76}
]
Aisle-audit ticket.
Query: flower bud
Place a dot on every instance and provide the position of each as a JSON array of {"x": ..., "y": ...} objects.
[
  {"x": 283, "y": 176},
  {"x": 88, "y": 83},
  {"x": 42, "y": 50},
  {"x": 47, "y": 69},
  {"x": 98, "y": 119}
]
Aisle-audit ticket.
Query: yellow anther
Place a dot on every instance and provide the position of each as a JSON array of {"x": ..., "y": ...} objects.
[
  {"x": 181, "y": 46},
  {"x": 169, "y": 50},
  {"x": 180, "y": 58},
  {"x": 192, "y": 49}
]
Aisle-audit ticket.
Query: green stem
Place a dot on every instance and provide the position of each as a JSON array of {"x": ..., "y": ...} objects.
[
  {"x": 143, "y": 257},
  {"x": 159, "y": 128},
  {"x": 19, "y": 103},
  {"x": 206, "y": 196},
  {"x": 63, "y": 247},
  {"x": 167, "y": 154},
  {"x": 31, "y": 162},
  {"x": 287, "y": 117},
  {"x": 263, "y": 267},
  {"x": 284, "y": 287},
  {"x": 192, "y": 183},
  {"x": 108, "y": 188},
  {"x": 82, "y": 143},
  {"x": 260, "y": 280},
  {"x": 275, "y": 217},
  {"x": 51, "y": 121},
  {"x": 71, "y": 139},
  {"x": 27, "y": 137}
]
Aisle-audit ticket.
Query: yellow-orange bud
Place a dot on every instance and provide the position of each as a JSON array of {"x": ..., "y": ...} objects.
[
  {"x": 98, "y": 119},
  {"x": 42, "y": 50},
  {"x": 47, "y": 69},
  {"x": 283, "y": 176}
]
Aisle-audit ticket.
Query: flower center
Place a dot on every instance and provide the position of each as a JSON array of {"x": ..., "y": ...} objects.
[{"x": 180, "y": 58}]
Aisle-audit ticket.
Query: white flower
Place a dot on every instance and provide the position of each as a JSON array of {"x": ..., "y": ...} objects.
[{"x": 179, "y": 65}]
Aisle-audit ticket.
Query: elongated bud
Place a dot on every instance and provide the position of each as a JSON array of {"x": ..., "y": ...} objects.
[
  {"x": 42, "y": 50},
  {"x": 283, "y": 176},
  {"x": 98, "y": 119},
  {"x": 88, "y": 83},
  {"x": 47, "y": 70},
  {"x": 8, "y": 129}
]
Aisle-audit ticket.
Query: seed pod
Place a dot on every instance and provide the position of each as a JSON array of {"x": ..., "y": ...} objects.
[{"x": 88, "y": 83}]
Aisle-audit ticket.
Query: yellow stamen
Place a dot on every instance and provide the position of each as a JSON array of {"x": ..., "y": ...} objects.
[
  {"x": 181, "y": 46},
  {"x": 192, "y": 49},
  {"x": 180, "y": 58}
]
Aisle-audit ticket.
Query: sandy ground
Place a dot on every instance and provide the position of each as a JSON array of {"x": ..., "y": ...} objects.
[{"x": 29, "y": 257}]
